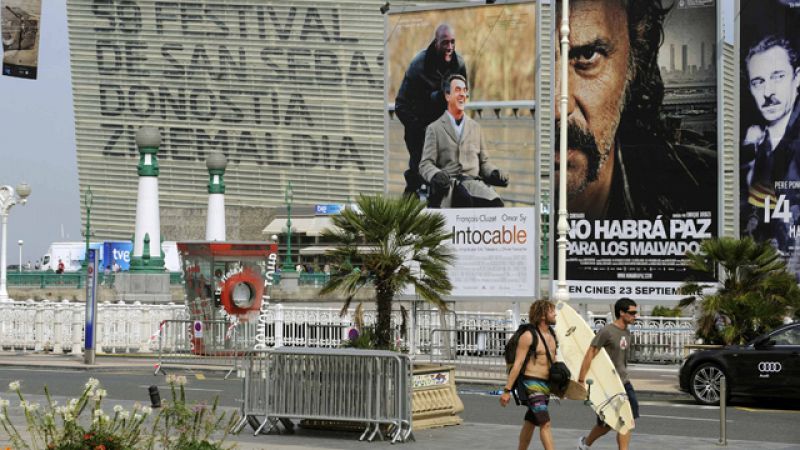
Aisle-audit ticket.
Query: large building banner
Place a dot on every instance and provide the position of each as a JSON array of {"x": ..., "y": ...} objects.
[
  {"x": 288, "y": 91},
  {"x": 20, "y": 27},
  {"x": 493, "y": 47},
  {"x": 642, "y": 163},
  {"x": 770, "y": 130},
  {"x": 460, "y": 135}
]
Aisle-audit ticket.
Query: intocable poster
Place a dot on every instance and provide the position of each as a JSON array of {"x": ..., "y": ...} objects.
[
  {"x": 769, "y": 152},
  {"x": 642, "y": 138},
  {"x": 20, "y": 28}
]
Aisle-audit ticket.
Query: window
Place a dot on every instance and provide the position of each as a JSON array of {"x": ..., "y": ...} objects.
[{"x": 790, "y": 336}]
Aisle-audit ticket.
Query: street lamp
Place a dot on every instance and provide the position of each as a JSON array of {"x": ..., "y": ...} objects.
[
  {"x": 562, "y": 293},
  {"x": 87, "y": 201},
  {"x": 20, "y": 243},
  {"x": 8, "y": 198},
  {"x": 288, "y": 196}
]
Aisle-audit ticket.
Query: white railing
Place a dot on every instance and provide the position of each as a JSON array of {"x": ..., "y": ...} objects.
[
  {"x": 58, "y": 326},
  {"x": 133, "y": 328},
  {"x": 655, "y": 338}
]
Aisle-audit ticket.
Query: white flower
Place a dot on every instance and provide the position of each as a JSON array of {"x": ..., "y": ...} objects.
[
  {"x": 180, "y": 380},
  {"x": 68, "y": 417},
  {"x": 100, "y": 394},
  {"x": 95, "y": 421},
  {"x": 14, "y": 385},
  {"x": 146, "y": 410},
  {"x": 32, "y": 407},
  {"x": 106, "y": 419},
  {"x": 4, "y": 403},
  {"x": 61, "y": 410},
  {"x": 137, "y": 417},
  {"x": 92, "y": 383},
  {"x": 73, "y": 404},
  {"x": 170, "y": 378},
  {"x": 118, "y": 408},
  {"x": 23, "y": 404},
  {"x": 124, "y": 415},
  {"x": 98, "y": 412}
]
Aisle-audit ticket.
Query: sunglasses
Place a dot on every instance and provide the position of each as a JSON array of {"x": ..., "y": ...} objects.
[{"x": 633, "y": 312}]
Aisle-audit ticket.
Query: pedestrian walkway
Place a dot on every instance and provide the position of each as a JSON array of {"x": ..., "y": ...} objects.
[{"x": 481, "y": 436}]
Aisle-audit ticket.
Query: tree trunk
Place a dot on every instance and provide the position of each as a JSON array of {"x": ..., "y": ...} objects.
[{"x": 383, "y": 329}]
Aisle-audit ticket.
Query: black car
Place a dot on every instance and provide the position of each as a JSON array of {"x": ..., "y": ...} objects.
[{"x": 767, "y": 367}]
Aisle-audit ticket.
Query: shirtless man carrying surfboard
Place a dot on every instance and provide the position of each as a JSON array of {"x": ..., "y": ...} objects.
[
  {"x": 542, "y": 315},
  {"x": 616, "y": 339}
]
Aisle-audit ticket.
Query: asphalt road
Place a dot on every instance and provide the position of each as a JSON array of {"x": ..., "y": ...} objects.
[{"x": 661, "y": 415}]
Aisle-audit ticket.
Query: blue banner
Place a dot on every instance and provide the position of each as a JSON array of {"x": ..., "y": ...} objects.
[
  {"x": 91, "y": 300},
  {"x": 118, "y": 253}
]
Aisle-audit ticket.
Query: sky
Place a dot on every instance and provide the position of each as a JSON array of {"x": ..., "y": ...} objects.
[{"x": 38, "y": 143}]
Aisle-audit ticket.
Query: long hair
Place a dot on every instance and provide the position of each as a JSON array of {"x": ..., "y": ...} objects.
[
  {"x": 539, "y": 310},
  {"x": 645, "y": 91}
]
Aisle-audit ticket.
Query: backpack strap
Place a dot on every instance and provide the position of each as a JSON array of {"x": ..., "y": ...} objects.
[
  {"x": 546, "y": 349},
  {"x": 531, "y": 349}
]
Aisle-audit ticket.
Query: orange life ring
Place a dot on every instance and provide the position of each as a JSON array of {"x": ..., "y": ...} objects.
[{"x": 255, "y": 289}]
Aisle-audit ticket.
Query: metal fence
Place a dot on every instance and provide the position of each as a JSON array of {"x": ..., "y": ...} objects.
[
  {"x": 72, "y": 280},
  {"x": 203, "y": 343},
  {"x": 365, "y": 387}
]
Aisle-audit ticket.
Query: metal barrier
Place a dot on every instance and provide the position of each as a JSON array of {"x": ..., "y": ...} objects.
[
  {"x": 203, "y": 343},
  {"x": 478, "y": 355},
  {"x": 367, "y": 387},
  {"x": 72, "y": 280}
]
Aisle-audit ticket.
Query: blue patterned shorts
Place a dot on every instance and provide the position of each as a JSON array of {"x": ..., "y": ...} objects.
[{"x": 538, "y": 399}]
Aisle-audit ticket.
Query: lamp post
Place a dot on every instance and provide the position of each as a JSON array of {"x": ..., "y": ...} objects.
[
  {"x": 8, "y": 198},
  {"x": 562, "y": 293},
  {"x": 87, "y": 201},
  {"x": 288, "y": 266},
  {"x": 20, "y": 243}
]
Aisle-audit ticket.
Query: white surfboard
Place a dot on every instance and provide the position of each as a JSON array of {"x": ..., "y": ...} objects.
[{"x": 607, "y": 393}]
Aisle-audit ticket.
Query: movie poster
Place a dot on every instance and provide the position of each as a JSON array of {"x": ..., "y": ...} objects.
[
  {"x": 20, "y": 29},
  {"x": 642, "y": 164},
  {"x": 466, "y": 145},
  {"x": 493, "y": 47},
  {"x": 769, "y": 151}
]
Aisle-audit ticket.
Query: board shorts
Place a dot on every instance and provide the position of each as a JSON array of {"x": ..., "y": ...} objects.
[
  {"x": 633, "y": 401},
  {"x": 538, "y": 398}
]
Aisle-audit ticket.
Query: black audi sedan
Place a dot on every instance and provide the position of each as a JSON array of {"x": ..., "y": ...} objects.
[{"x": 767, "y": 367}]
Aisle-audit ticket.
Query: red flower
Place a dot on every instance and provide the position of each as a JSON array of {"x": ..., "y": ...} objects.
[
  {"x": 100, "y": 447},
  {"x": 87, "y": 436}
]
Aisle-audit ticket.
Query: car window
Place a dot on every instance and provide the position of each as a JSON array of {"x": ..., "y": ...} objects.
[{"x": 787, "y": 337}]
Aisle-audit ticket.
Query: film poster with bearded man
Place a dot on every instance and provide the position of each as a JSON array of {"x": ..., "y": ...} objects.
[
  {"x": 642, "y": 138},
  {"x": 769, "y": 151}
]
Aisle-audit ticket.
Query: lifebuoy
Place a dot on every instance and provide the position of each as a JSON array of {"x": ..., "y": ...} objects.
[{"x": 241, "y": 292}]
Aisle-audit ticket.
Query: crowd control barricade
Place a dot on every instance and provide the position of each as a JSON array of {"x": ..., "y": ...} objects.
[
  {"x": 199, "y": 343},
  {"x": 367, "y": 387},
  {"x": 478, "y": 355}
]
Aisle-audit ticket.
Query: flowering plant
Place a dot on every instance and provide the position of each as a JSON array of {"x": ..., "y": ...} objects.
[
  {"x": 182, "y": 427},
  {"x": 82, "y": 424},
  {"x": 59, "y": 427}
]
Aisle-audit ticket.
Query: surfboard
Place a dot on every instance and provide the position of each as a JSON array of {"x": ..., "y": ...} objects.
[{"x": 606, "y": 393}]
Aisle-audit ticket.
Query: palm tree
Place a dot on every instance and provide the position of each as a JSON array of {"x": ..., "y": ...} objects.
[
  {"x": 755, "y": 294},
  {"x": 402, "y": 245}
]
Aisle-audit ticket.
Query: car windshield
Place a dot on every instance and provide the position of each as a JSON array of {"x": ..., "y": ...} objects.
[{"x": 790, "y": 336}]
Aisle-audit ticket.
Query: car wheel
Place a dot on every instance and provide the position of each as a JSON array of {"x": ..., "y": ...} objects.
[{"x": 705, "y": 384}]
